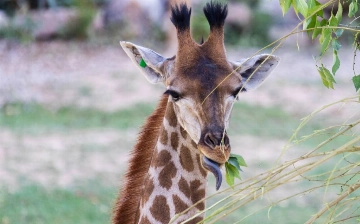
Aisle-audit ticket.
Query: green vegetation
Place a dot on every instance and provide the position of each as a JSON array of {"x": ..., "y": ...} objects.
[
  {"x": 270, "y": 122},
  {"x": 22, "y": 33},
  {"x": 329, "y": 30},
  {"x": 289, "y": 213},
  {"x": 256, "y": 33},
  {"x": 36, "y": 118},
  {"x": 78, "y": 29},
  {"x": 33, "y": 204}
]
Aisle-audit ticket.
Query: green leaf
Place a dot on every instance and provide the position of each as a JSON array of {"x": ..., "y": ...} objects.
[
  {"x": 356, "y": 81},
  {"x": 232, "y": 167},
  {"x": 323, "y": 77},
  {"x": 339, "y": 13},
  {"x": 236, "y": 171},
  {"x": 329, "y": 77},
  {"x": 309, "y": 23},
  {"x": 339, "y": 32},
  {"x": 285, "y": 5},
  {"x": 240, "y": 159},
  {"x": 229, "y": 175},
  {"x": 333, "y": 21},
  {"x": 335, "y": 44},
  {"x": 353, "y": 8},
  {"x": 318, "y": 28},
  {"x": 324, "y": 32},
  {"x": 336, "y": 62},
  {"x": 233, "y": 170},
  {"x": 311, "y": 4},
  {"x": 315, "y": 6},
  {"x": 233, "y": 161},
  {"x": 325, "y": 39},
  {"x": 300, "y": 6},
  {"x": 325, "y": 43},
  {"x": 326, "y": 77}
]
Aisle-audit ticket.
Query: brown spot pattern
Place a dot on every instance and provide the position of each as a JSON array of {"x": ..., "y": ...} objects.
[
  {"x": 196, "y": 193},
  {"x": 162, "y": 158},
  {"x": 160, "y": 210},
  {"x": 174, "y": 140},
  {"x": 183, "y": 132},
  {"x": 195, "y": 220},
  {"x": 179, "y": 204},
  {"x": 193, "y": 144},
  {"x": 184, "y": 187},
  {"x": 202, "y": 170},
  {"x": 149, "y": 188},
  {"x": 164, "y": 137},
  {"x": 201, "y": 205},
  {"x": 144, "y": 220},
  {"x": 185, "y": 159},
  {"x": 166, "y": 175},
  {"x": 170, "y": 115},
  {"x": 194, "y": 185}
]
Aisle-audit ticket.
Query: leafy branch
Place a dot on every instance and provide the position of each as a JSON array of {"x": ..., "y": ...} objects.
[{"x": 328, "y": 30}]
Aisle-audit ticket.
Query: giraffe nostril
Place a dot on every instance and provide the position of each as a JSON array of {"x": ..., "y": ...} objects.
[
  {"x": 211, "y": 140},
  {"x": 216, "y": 139},
  {"x": 226, "y": 140}
]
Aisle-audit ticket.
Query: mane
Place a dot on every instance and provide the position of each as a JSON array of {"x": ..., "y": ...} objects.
[
  {"x": 127, "y": 204},
  {"x": 216, "y": 14}
]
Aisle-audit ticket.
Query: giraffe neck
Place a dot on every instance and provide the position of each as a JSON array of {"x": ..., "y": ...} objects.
[
  {"x": 176, "y": 180},
  {"x": 165, "y": 175}
]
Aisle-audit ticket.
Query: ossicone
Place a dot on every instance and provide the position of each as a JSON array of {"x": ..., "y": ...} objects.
[
  {"x": 180, "y": 17},
  {"x": 215, "y": 13}
]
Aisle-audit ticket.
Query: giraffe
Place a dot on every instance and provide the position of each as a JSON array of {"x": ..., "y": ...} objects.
[{"x": 185, "y": 137}]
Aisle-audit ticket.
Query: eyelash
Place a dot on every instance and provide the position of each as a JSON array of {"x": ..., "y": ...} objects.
[
  {"x": 236, "y": 92},
  {"x": 175, "y": 96}
]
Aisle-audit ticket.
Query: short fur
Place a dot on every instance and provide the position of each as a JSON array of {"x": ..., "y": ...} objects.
[
  {"x": 127, "y": 204},
  {"x": 180, "y": 17},
  {"x": 215, "y": 14}
]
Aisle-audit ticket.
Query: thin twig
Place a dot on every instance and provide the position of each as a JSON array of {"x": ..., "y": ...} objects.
[{"x": 334, "y": 202}]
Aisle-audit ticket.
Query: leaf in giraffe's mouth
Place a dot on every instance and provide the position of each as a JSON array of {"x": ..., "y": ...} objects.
[{"x": 213, "y": 167}]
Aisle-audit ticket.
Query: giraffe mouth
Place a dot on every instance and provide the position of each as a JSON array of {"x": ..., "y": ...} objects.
[{"x": 214, "y": 168}]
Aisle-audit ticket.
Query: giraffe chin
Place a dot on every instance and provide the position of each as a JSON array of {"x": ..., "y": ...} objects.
[{"x": 214, "y": 168}]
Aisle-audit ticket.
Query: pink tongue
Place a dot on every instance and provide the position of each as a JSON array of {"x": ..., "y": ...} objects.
[{"x": 213, "y": 167}]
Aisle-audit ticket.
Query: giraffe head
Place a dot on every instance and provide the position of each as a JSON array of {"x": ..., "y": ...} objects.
[{"x": 202, "y": 83}]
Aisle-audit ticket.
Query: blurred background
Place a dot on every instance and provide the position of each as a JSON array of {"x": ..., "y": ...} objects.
[{"x": 71, "y": 101}]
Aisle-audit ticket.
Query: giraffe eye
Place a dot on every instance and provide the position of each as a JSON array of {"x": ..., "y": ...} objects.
[{"x": 174, "y": 95}]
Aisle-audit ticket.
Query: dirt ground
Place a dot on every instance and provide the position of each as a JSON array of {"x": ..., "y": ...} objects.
[
  {"x": 67, "y": 73},
  {"x": 56, "y": 74}
]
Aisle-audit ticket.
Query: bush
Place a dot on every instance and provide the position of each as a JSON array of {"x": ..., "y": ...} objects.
[{"x": 22, "y": 33}]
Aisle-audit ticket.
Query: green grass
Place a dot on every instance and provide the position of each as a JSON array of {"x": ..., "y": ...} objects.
[
  {"x": 36, "y": 118},
  {"x": 272, "y": 122},
  {"x": 34, "y": 204},
  {"x": 37, "y": 205},
  {"x": 289, "y": 214},
  {"x": 275, "y": 123}
]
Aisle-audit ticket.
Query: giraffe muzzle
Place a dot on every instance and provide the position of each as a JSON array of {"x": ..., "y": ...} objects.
[
  {"x": 215, "y": 148},
  {"x": 214, "y": 168}
]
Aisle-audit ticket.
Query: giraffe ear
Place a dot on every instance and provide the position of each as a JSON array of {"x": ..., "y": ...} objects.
[
  {"x": 152, "y": 65},
  {"x": 247, "y": 66}
]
